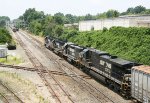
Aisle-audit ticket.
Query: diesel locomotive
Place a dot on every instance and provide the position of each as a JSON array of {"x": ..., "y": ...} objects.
[{"x": 115, "y": 71}]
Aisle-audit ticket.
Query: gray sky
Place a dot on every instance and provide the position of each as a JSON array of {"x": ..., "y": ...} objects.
[{"x": 15, "y": 8}]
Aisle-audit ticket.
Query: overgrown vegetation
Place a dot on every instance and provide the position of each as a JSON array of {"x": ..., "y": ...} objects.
[
  {"x": 5, "y": 36},
  {"x": 129, "y": 43},
  {"x": 13, "y": 60},
  {"x": 3, "y": 20}
]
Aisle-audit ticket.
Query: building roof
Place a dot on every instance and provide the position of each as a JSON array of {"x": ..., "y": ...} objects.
[
  {"x": 144, "y": 21},
  {"x": 127, "y": 17},
  {"x": 124, "y": 16},
  {"x": 3, "y": 46}
]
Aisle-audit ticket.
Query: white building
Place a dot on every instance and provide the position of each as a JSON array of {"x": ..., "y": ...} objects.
[
  {"x": 3, "y": 51},
  {"x": 124, "y": 21},
  {"x": 71, "y": 25}
]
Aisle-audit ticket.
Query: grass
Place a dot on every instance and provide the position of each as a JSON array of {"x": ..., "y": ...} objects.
[
  {"x": 11, "y": 60},
  {"x": 13, "y": 79}
]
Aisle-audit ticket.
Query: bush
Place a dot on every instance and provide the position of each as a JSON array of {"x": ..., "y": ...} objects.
[
  {"x": 5, "y": 36},
  {"x": 129, "y": 43}
]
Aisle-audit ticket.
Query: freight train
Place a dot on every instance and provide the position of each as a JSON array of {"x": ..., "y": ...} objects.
[
  {"x": 15, "y": 29},
  {"x": 116, "y": 72}
]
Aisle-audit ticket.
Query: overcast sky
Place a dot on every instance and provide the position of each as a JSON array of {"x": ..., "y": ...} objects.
[{"x": 15, "y": 8}]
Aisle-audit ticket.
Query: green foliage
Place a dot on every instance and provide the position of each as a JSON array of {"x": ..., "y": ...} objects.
[
  {"x": 59, "y": 18},
  {"x": 35, "y": 27},
  {"x": 32, "y": 14},
  {"x": 58, "y": 30},
  {"x": 101, "y": 15},
  {"x": 112, "y": 13},
  {"x": 89, "y": 17},
  {"x": 3, "y": 20},
  {"x": 105, "y": 29},
  {"x": 137, "y": 10},
  {"x": 69, "y": 19},
  {"x": 128, "y": 43},
  {"x": 11, "y": 60},
  {"x": 5, "y": 36}
]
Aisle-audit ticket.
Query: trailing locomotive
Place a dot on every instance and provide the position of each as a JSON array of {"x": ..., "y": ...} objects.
[{"x": 115, "y": 71}]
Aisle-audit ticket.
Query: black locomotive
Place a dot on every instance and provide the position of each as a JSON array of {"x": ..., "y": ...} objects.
[{"x": 115, "y": 71}]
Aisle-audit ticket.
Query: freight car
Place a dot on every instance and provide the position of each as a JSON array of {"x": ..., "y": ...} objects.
[
  {"x": 140, "y": 83},
  {"x": 115, "y": 71}
]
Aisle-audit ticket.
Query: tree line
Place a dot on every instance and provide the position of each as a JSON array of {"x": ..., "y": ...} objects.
[
  {"x": 4, "y": 33},
  {"x": 3, "y": 20},
  {"x": 46, "y": 24}
]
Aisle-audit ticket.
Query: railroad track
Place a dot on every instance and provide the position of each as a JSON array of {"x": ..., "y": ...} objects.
[
  {"x": 17, "y": 67},
  {"x": 44, "y": 71},
  {"x": 99, "y": 95},
  {"x": 53, "y": 85},
  {"x": 5, "y": 100},
  {"x": 56, "y": 72},
  {"x": 8, "y": 98}
]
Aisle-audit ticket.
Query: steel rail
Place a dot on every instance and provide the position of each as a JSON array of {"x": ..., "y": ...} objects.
[
  {"x": 40, "y": 67},
  {"x": 6, "y": 100},
  {"x": 1, "y": 83}
]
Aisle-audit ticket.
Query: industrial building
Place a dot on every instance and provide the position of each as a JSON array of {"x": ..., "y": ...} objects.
[{"x": 124, "y": 21}]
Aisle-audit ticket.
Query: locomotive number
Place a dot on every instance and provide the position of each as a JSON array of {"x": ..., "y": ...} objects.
[{"x": 105, "y": 64}]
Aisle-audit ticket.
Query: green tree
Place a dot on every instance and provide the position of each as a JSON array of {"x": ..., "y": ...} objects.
[
  {"x": 139, "y": 9},
  {"x": 130, "y": 10},
  {"x": 69, "y": 19},
  {"x": 3, "y": 20},
  {"x": 58, "y": 30},
  {"x": 112, "y": 13},
  {"x": 31, "y": 14},
  {"x": 35, "y": 27},
  {"x": 5, "y": 36},
  {"x": 59, "y": 18},
  {"x": 88, "y": 17},
  {"x": 101, "y": 16}
]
